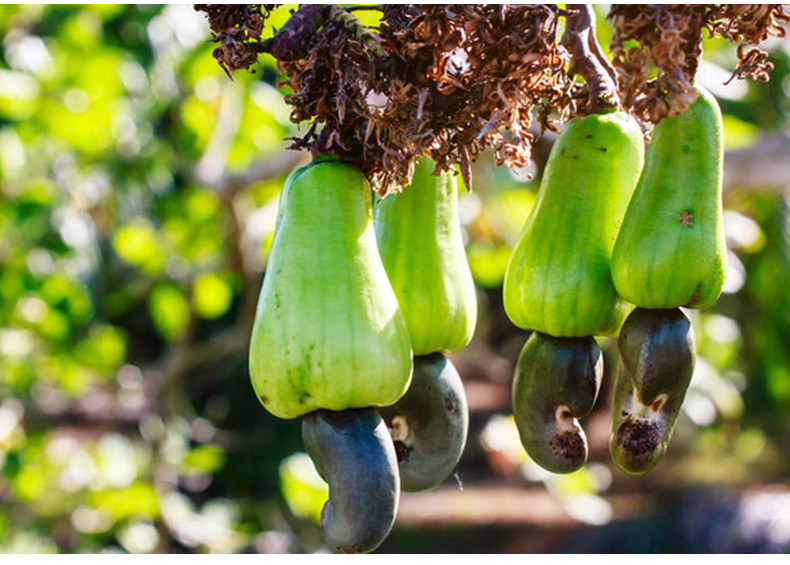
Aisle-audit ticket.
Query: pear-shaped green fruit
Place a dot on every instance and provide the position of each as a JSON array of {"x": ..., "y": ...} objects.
[
  {"x": 421, "y": 245},
  {"x": 657, "y": 354},
  {"x": 558, "y": 279},
  {"x": 328, "y": 332},
  {"x": 671, "y": 250},
  {"x": 556, "y": 382}
]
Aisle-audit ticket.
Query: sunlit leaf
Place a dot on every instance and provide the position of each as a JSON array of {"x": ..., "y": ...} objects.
[
  {"x": 738, "y": 133},
  {"x": 72, "y": 377},
  {"x": 82, "y": 29},
  {"x": 32, "y": 481},
  {"x": 200, "y": 117},
  {"x": 204, "y": 459},
  {"x": 511, "y": 209},
  {"x": 55, "y": 325},
  {"x": 169, "y": 310},
  {"x": 16, "y": 374},
  {"x": 488, "y": 263},
  {"x": 200, "y": 205},
  {"x": 303, "y": 489},
  {"x": 103, "y": 349},
  {"x": 40, "y": 191},
  {"x": 106, "y": 11},
  {"x": 61, "y": 292},
  {"x": 778, "y": 382},
  {"x": 19, "y": 94},
  {"x": 137, "y": 244},
  {"x": 137, "y": 500},
  {"x": 212, "y": 295}
]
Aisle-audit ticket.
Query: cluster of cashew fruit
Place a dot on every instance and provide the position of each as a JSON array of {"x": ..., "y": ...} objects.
[
  {"x": 357, "y": 312},
  {"x": 361, "y": 304},
  {"x": 617, "y": 244}
]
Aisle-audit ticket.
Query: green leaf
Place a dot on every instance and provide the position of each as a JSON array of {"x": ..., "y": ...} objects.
[
  {"x": 212, "y": 295},
  {"x": 511, "y": 209},
  {"x": 138, "y": 245},
  {"x": 202, "y": 459},
  {"x": 302, "y": 487},
  {"x": 139, "y": 499},
  {"x": 104, "y": 348},
  {"x": 169, "y": 310},
  {"x": 738, "y": 133},
  {"x": 488, "y": 263}
]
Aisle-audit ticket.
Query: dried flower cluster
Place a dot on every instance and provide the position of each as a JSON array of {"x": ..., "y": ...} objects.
[
  {"x": 449, "y": 81},
  {"x": 442, "y": 80},
  {"x": 666, "y": 41},
  {"x": 749, "y": 24},
  {"x": 237, "y": 29}
]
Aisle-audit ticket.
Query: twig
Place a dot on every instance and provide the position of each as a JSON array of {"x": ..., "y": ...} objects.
[
  {"x": 211, "y": 166},
  {"x": 588, "y": 60},
  {"x": 292, "y": 40},
  {"x": 258, "y": 171}
]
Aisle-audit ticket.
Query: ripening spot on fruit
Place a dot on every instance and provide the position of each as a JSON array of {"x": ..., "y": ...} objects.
[{"x": 685, "y": 218}]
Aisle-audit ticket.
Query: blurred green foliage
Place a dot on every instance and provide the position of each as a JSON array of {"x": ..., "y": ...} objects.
[{"x": 135, "y": 222}]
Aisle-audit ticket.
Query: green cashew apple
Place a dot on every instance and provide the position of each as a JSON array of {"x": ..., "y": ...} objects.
[
  {"x": 558, "y": 280},
  {"x": 328, "y": 331},
  {"x": 422, "y": 248},
  {"x": 671, "y": 250}
]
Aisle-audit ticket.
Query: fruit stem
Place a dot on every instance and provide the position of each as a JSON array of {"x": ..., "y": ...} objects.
[{"x": 588, "y": 59}]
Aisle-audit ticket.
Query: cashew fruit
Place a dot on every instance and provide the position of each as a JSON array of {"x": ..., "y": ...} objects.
[
  {"x": 657, "y": 354},
  {"x": 671, "y": 250},
  {"x": 328, "y": 332},
  {"x": 429, "y": 424},
  {"x": 422, "y": 248},
  {"x": 353, "y": 453},
  {"x": 556, "y": 382},
  {"x": 558, "y": 280}
]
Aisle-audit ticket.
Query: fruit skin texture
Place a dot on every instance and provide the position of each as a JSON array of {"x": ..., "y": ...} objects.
[
  {"x": 422, "y": 248},
  {"x": 328, "y": 332},
  {"x": 353, "y": 453},
  {"x": 671, "y": 249},
  {"x": 556, "y": 382},
  {"x": 429, "y": 424},
  {"x": 558, "y": 279},
  {"x": 657, "y": 354}
]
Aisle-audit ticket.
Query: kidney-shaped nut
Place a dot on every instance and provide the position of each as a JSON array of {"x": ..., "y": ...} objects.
[
  {"x": 429, "y": 424},
  {"x": 555, "y": 383},
  {"x": 353, "y": 452}
]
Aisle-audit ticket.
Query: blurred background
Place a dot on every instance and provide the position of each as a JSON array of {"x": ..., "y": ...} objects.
[{"x": 138, "y": 193}]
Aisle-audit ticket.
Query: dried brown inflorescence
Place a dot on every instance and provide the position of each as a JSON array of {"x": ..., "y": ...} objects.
[
  {"x": 750, "y": 24},
  {"x": 442, "y": 80},
  {"x": 237, "y": 30},
  {"x": 666, "y": 41},
  {"x": 449, "y": 81}
]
